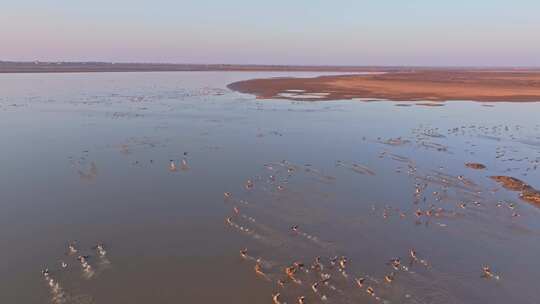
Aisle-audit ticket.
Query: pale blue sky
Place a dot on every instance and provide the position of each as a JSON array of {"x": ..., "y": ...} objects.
[{"x": 344, "y": 32}]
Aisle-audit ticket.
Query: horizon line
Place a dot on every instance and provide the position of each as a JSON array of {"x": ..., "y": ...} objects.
[{"x": 280, "y": 65}]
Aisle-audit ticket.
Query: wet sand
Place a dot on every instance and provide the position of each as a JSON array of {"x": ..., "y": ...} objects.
[
  {"x": 476, "y": 166},
  {"x": 528, "y": 193},
  {"x": 416, "y": 85}
]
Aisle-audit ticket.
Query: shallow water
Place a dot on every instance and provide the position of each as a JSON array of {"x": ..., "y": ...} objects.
[{"x": 86, "y": 158}]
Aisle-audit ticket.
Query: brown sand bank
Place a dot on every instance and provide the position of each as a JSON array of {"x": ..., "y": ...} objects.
[
  {"x": 528, "y": 193},
  {"x": 427, "y": 85},
  {"x": 476, "y": 166}
]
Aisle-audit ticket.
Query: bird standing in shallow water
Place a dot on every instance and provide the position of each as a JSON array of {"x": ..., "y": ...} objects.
[
  {"x": 259, "y": 270},
  {"x": 487, "y": 271},
  {"x": 413, "y": 254},
  {"x": 101, "y": 250},
  {"x": 172, "y": 166},
  {"x": 243, "y": 253},
  {"x": 342, "y": 262},
  {"x": 396, "y": 263},
  {"x": 290, "y": 271},
  {"x": 184, "y": 164},
  {"x": 275, "y": 298},
  {"x": 488, "y": 274},
  {"x": 315, "y": 287},
  {"x": 317, "y": 265},
  {"x": 389, "y": 278},
  {"x": 72, "y": 249}
]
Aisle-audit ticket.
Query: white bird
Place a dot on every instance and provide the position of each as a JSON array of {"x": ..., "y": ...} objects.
[
  {"x": 72, "y": 249},
  {"x": 172, "y": 166}
]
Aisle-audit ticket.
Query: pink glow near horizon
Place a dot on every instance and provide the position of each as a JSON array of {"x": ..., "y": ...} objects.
[{"x": 62, "y": 32}]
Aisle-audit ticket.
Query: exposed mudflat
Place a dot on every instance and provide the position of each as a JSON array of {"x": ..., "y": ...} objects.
[{"x": 414, "y": 85}]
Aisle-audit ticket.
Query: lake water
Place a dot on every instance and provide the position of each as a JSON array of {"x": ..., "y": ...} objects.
[{"x": 86, "y": 158}]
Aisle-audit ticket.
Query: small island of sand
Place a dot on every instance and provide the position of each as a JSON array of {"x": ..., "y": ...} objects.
[{"x": 518, "y": 85}]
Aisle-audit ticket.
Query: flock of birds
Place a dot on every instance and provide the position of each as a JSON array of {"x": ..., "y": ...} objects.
[
  {"x": 436, "y": 197},
  {"x": 78, "y": 260},
  {"x": 330, "y": 277},
  {"x": 433, "y": 190}
]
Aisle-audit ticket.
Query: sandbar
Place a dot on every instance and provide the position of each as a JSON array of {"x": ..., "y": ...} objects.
[{"x": 436, "y": 85}]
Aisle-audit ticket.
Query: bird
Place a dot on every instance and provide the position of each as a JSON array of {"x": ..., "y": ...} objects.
[
  {"x": 52, "y": 283},
  {"x": 100, "y": 250},
  {"x": 315, "y": 287},
  {"x": 275, "y": 298},
  {"x": 396, "y": 263},
  {"x": 487, "y": 271},
  {"x": 360, "y": 282},
  {"x": 172, "y": 166},
  {"x": 243, "y": 253},
  {"x": 258, "y": 269},
  {"x": 298, "y": 265},
  {"x": 317, "y": 265},
  {"x": 412, "y": 252},
  {"x": 290, "y": 271},
  {"x": 342, "y": 262},
  {"x": 72, "y": 249},
  {"x": 325, "y": 278},
  {"x": 389, "y": 278}
]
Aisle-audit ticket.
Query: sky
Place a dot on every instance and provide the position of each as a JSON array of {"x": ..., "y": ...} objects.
[{"x": 304, "y": 32}]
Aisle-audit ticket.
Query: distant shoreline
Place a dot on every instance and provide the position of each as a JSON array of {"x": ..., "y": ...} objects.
[
  {"x": 88, "y": 67},
  {"x": 415, "y": 85}
]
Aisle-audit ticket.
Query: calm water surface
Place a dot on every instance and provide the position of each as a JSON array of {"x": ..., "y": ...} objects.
[{"x": 86, "y": 158}]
